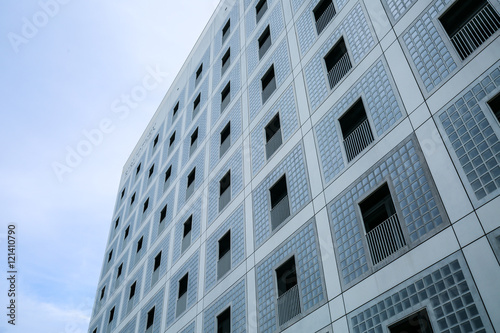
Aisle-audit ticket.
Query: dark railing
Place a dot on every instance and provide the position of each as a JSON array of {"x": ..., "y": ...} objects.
[
  {"x": 325, "y": 18},
  {"x": 189, "y": 190},
  {"x": 339, "y": 70},
  {"x": 268, "y": 90},
  {"x": 385, "y": 239},
  {"x": 181, "y": 305},
  {"x": 280, "y": 212},
  {"x": 264, "y": 47},
  {"x": 288, "y": 304},
  {"x": 193, "y": 147},
  {"x": 262, "y": 11},
  {"x": 186, "y": 241},
  {"x": 225, "y": 102},
  {"x": 224, "y": 264},
  {"x": 475, "y": 32},
  {"x": 273, "y": 144},
  {"x": 224, "y": 198},
  {"x": 224, "y": 146},
  {"x": 358, "y": 140}
]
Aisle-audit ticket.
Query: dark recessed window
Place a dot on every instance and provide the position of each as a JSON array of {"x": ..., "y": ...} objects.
[
  {"x": 146, "y": 205},
  {"x": 495, "y": 106},
  {"x": 186, "y": 233},
  {"x": 415, "y": 323},
  {"x": 383, "y": 231},
  {"x": 151, "y": 318},
  {"x": 155, "y": 141},
  {"x": 172, "y": 139},
  {"x": 132, "y": 199},
  {"x": 110, "y": 255},
  {"x": 194, "y": 137},
  {"x": 337, "y": 63},
  {"x": 226, "y": 30},
  {"x": 273, "y": 135},
  {"x": 176, "y": 108},
  {"x": 264, "y": 41},
  {"x": 119, "y": 271},
  {"x": 168, "y": 173},
  {"x": 225, "y": 96},
  {"x": 183, "y": 285},
  {"x": 111, "y": 315},
  {"x": 224, "y": 321},
  {"x": 225, "y": 139},
  {"x": 224, "y": 260},
  {"x": 127, "y": 231},
  {"x": 356, "y": 130},
  {"x": 139, "y": 245},
  {"x": 260, "y": 9},
  {"x": 117, "y": 222},
  {"x": 157, "y": 261},
  {"x": 288, "y": 292},
  {"x": 123, "y": 194},
  {"x": 226, "y": 60},
  {"x": 190, "y": 183},
  {"x": 469, "y": 23},
  {"x": 198, "y": 72},
  {"x": 280, "y": 208},
  {"x": 102, "y": 292},
  {"x": 151, "y": 171},
  {"x": 323, "y": 14},
  {"x": 138, "y": 169},
  {"x": 132, "y": 290},
  {"x": 163, "y": 213},
  {"x": 196, "y": 103},
  {"x": 94, "y": 331},
  {"x": 268, "y": 84}
]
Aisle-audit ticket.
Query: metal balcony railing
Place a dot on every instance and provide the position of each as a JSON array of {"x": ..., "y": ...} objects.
[
  {"x": 181, "y": 305},
  {"x": 385, "y": 239},
  {"x": 225, "y": 102},
  {"x": 224, "y": 146},
  {"x": 475, "y": 32},
  {"x": 264, "y": 47},
  {"x": 186, "y": 241},
  {"x": 155, "y": 276},
  {"x": 224, "y": 198},
  {"x": 325, "y": 18},
  {"x": 288, "y": 305},
  {"x": 268, "y": 90},
  {"x": 358, "y": 140},
  {"x": 339, "y": 70},
  {"x": 280, "y": 212},
  {"x": 189, "y": 190},
  {"x": 225, "y": 66},
  {"x": 273, "y": 144},
  {"x": 224, "y": 264},
  {"x": 193, "y": 147}
]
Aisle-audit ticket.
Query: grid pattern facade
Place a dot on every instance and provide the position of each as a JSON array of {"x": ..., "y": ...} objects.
[{"x": 432, "y": 150}]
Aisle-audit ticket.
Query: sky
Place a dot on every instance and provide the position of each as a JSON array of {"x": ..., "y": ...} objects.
[{"x": 65, "y": 65}]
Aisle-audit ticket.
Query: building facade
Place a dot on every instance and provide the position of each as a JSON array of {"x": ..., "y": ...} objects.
[{"x": 317, "y": 166}]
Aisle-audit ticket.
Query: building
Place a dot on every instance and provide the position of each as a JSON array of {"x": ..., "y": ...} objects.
[{"x": 317, "y": 166}]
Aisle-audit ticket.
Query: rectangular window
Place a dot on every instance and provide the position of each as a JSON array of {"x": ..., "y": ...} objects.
[
  {"x": 182, "y": 295},
  {"x": 337, "y": 63},
  {"x": 163, "y": 214},
  {"x": 280, "y": 208},
  {"x": 226, "y": 30},
  {"x": 186, "y": 233},
  {"x": 226, "y": 61},
  {"x": 268, "y": 84},
  {"x": 224, "y": 321},
  {"x": 132, "y": 290},
  {"x": 123, "y": 194},
  {"x": 138, "y": 252},
  {"x": 174, "y": 111},
  {"x": 190, "y": 183},
  {"x": 198, "y": 73},
  {"x": 127, "y": 231},
  {"x": 224, "y": 262},
  {"x": 196, "y": 104},
  {"x": 225, "y": 96},
  {"x": 119, "y": 271},
  {"x": 356, "y": 130},
  {"x": 111, "y": 315},
  {"x": 323, "y": 14},
  {"x": 264, "y": 42},
  {"x": 138, "y": 169},
  {"x": 132, "y": 199},
  {"x": 172, "y": 139},
  {"x": 194, "y": 142},
  {"x": 151, "y": 171},
  {"x": 155, "y": 141},
  {"x": 494, "y": 104},
  {"x": 260, "y": 9},
  {"x": 415, "y": 323},
  {"x": 273, "y": 135},
  {"x": 110, "y": 255},
  {"x": 151, "y": 319},
  {"x": 139, "y": 245},
  {"x": 288, "y": 291},
  {"x": 157, "y": 262},
  {"x": 225, "y": 139},
  {"x": 145, "y": 206},
  {"x": 156, "y": 270},
  {"x": 102, "y": 292},
  {"x": 168, "y": 175},
  {"x": 383, "y": 231},
  {"x": 469, "y": 23},
  {"x": 224, "y": 190}
]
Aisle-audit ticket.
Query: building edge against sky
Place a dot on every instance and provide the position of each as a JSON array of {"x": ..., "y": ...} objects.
[{"x": 317, "y": 166}]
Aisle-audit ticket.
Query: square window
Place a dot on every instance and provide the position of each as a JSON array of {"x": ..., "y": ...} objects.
[
  {"x": 224, "y": 321},
  {"x": 469, "y": 23},
  {"x": 260, "y": 9},
  {"x": 356, "y": 130},
  {"x": 225, "y": 139},
  {"x": 268, "y": 84},
  {"x": 273, "y": 135},
  {"x": 337, "y": 63},
  {"x": 226, "y": 30},
  {"x": 280, "y": 208},
  {"x": 415, "y": 323},
  {"x": 323, "y": 14},
  {"x": 225, "y": 96},
  {"x": 226, "y": 61},
  {"x": 264, "y": 42}
]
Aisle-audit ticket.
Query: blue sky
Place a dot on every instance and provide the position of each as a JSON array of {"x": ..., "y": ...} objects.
[{"x": 63, "y": 63}]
